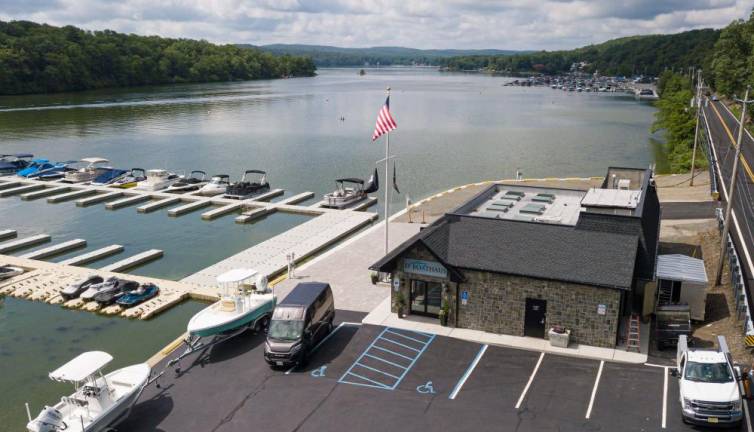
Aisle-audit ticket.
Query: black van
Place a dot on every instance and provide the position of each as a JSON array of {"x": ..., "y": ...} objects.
[{"x": 299, "y": 323}]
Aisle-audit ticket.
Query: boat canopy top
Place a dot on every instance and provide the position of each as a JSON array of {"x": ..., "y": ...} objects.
[
  {"x": 350, "y": 180},
  {"x": 81, "y": 367},
  {"x": 236, "y": 275},
  {"x": 157, "y": 172},
  {"x": 255, "y": 172},
  {"x": 222, "y": 176},
  {"x": 95, "y": 160}
]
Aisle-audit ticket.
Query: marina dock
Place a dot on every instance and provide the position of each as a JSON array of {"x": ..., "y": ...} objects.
[
  {"x": 44, "y": 279},
  {"x": 8, "y": 234}
]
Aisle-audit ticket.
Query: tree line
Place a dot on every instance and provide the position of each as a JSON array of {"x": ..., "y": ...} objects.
[
  {"x": 39, "y": 58},
  {"x": 636, "y": 55}
]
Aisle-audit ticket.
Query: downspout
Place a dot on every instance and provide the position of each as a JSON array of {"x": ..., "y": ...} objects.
[{"x": 457, "y": 303}]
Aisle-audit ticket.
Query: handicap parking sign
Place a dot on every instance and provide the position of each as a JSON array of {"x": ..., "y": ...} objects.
[{"x": 464, "y": 297}]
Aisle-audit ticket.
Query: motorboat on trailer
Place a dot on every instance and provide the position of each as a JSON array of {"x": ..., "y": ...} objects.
[
  {"x": 7, "y": 272},
  {"x": 13, "y": 163},
  {"x": 99, "y": 402},
  {"x": 349, "y": 191},
  {"x": 141, "y": 294},
  {"x": 112, "y": 292},
  {"x": 241, "y": 305},
  {"x": 217, "y": 185},
  {"x": 90, "y": 169},
  {"x": 156, "y": 180},
  {"x": 77, "y": 288},
  {"x": 247, "y": 186},
  {"x": 109, "y": 176},
  {"x": 131, "y": 179},
  {"x": 192, "y": 182}
]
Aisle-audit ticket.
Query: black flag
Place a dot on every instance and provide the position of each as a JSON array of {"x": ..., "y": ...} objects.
[
  {"x": 395, "y": 183},
  {"x": 373, "y": 184}
]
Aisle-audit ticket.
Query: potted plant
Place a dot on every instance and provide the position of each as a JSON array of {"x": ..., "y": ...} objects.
[
  {"x": 444, "y": 313},
  {"x": 400, "y": 304},
  {"x": 559, "y": 336},
  {"x": 374, "y": 276}
]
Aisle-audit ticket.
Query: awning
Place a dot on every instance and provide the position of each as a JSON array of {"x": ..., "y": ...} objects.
[
  {"x": 681, "y": 268},
  {"x": 236, "y": 275},
  {"x": 81, "y": 367}
]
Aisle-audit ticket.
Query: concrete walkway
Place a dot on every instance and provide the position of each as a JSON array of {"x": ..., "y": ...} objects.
[
  {"x": 346, "y": 268},
  {"x": 382, "y": 316}
]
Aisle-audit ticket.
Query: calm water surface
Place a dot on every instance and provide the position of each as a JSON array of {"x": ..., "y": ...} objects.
[{"x": 452, "y": 129}]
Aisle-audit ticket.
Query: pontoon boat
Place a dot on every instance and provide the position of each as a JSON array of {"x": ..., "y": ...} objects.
[
  {"x": 349, "y": 191},
  {"x": 90, "y": 169},
  {"x": 98, "y": 402},
  {"x": 247, "y": 188},
  {"x": 13, "y": 163},
  {"x": 157, "y": 179},
  {"x": 216, "y": 186},
  {"x": 134, "y": 177},
  {"x": 192, "y": 182}
]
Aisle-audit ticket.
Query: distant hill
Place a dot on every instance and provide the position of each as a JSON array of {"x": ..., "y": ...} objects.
[
  {"x": 647, "y": 54},
  {"x": 325, "y": 56}
]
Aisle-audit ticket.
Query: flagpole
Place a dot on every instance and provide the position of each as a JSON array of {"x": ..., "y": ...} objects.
[{"x": 387, "y": 189}]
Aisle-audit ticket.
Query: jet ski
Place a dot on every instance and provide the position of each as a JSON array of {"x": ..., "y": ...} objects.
[
  {"x": 13, "y": 163},
  {"x": 131, "y": 179},
  {"x": 7, "y": 272},
  {"x": 89, "y": 294},
  {"x": 216, "y": 186},
  {"x": 109, "y": 294},
  {"x": 192, "y": 182},
  {"x": 75, "y": 289},
  {"x": 139, "y": 295}
]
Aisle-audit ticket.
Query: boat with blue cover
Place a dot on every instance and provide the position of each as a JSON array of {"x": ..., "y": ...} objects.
[
  {"x": 13, "y": 163},
  {"x": 140, "y": 295}
]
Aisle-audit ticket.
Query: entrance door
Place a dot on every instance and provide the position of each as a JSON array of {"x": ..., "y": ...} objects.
[
  {"x": 426, "y": 298},
  {"x": 534, "y": 318}
]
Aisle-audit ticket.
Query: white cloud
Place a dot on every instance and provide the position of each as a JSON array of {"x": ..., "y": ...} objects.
[{"x": 504, "y": 24}]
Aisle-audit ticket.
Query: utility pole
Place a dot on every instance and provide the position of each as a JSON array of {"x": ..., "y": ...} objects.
[
  {"x": 732, "y": 188},
  {"x": 696, "y": 130}
]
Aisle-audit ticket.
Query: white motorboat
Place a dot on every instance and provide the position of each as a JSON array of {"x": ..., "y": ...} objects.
[
  {"x": 240, "y": 305},
  {"x": 157, "y": 179},
  {"x": 189, "y": 183},
  {"x": 89, "y": 169},
  {"x": 216, "y": 186},
  {"x": 98, "y": 402}
]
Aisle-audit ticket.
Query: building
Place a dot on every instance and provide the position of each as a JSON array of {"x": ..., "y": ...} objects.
[{"x": 520, "y": 259}]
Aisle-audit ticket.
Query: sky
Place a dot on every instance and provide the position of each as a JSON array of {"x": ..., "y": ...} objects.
[{"x": 501, "y": 24}]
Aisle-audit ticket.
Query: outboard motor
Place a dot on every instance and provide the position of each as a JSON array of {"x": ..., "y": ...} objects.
[{"x": 49, "y": 420}]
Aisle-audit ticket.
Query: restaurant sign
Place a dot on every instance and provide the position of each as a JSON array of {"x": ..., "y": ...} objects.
[{"x": 426, "y": 268}]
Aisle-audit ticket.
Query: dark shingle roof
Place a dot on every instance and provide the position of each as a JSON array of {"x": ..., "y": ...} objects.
[{"x": 555, "y": 252}]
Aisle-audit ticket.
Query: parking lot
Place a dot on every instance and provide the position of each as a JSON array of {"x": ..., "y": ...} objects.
[{"x": 377, "y": 378}]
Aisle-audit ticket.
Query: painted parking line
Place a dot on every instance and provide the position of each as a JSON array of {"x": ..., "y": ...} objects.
[
  {"x": 344, "y": 323},
  {"x": 665, "y": 400},
  {"x": 528, "y": 384},
  {"x": 468, "y": 372},
  {"x": 594, "y": 390},
  {"x": 388, "y": 359}
]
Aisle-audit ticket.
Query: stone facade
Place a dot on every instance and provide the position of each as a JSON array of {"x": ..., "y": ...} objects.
[{"x": 497, "y": 303}]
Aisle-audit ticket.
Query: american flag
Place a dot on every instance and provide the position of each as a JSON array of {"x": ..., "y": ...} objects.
[{"x": 385, "y": 122}]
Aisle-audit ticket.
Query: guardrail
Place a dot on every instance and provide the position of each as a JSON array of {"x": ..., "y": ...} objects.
[{"x": 737, "y": 281}]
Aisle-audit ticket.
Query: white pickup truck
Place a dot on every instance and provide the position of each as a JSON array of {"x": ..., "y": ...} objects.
[{"x": 710, "y": 393}]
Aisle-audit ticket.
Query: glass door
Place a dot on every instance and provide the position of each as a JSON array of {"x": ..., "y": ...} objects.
[{"x": 426, "y": 298}]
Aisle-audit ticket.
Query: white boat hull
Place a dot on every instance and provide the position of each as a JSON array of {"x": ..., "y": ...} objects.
[{"x": 213, "y": 320}]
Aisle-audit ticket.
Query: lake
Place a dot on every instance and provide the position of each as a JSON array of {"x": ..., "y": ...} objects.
[{"x": 452, "y": 129}]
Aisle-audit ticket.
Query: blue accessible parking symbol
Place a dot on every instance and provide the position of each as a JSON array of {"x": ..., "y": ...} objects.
[
  {"x": 426, "y": 388},
  {"x": 319, "y": 373}
]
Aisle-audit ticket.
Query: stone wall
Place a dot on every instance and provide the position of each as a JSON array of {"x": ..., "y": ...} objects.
[{"x": 497, "y": 304}]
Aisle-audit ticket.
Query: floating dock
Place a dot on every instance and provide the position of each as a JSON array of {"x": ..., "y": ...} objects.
[
  {"x": 45, "y": 192},
  {"x": 188, "y": 208},
  {"x": 94, "y": 255},
  {"x": 133, "y": 261},
  {"x": 71, "y": 195},
  {"x": 56, "y": 249},
  {"x": 8, "y": 234},
  {"x": 96, "y": 199},
  {"x": 21, "y": 189},
  {"x": 23, "y": 243},
  {"x": 269, "y": 257},
  {"x": 125, "y": 202},
  {"x": 156, "y": 205}
]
